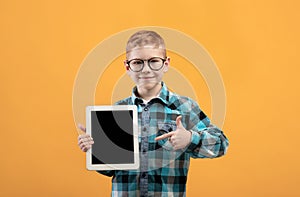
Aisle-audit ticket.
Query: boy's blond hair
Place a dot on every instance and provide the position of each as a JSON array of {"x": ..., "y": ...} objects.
[{"x": 143, "y": 38}]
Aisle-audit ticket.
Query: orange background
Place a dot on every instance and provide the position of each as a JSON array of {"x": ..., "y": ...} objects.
[{"x": 254, "y": 43}]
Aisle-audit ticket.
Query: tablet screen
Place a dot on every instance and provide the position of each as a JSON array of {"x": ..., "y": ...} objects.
[{"x": 112, "y": 132}]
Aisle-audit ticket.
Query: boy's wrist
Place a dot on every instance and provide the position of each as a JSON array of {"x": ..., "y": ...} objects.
[{"x": 195, "y": 139}]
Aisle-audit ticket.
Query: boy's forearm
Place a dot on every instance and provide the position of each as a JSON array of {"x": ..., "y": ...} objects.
[{"x": 208, "y": 143}]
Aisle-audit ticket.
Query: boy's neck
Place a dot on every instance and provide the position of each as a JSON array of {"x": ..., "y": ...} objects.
[{"x": 149, "y": 93}]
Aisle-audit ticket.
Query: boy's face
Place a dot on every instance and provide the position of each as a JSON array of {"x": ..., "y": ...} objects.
[{"x": 147, "y": 78}]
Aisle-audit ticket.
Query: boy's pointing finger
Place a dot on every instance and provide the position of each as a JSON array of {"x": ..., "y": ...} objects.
[{"x": 164, "y": 136}]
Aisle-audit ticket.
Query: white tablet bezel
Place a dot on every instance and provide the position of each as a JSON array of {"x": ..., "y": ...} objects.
[{"x": 131, "y": 166}]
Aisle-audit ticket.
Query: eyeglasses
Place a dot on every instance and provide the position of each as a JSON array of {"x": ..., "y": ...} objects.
[{"x": 137, "y": 65}]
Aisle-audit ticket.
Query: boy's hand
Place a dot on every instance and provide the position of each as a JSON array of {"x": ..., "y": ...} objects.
[
  {"x": 84, "y": 141},
  {"x": 179, "y": 138}
]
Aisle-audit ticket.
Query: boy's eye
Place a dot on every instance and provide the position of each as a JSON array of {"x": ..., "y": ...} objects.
[
  {"x": 155, "y": 60},
  {"x": 137, "y": 62}
]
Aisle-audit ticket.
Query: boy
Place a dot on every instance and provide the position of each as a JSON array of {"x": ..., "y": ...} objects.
[{"x": 172, "y": 128}]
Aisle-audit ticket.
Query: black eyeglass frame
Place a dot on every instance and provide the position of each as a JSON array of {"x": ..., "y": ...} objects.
[{"x": 148, "y": 61}]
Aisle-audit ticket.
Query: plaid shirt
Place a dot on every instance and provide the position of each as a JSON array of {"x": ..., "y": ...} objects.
[{"x": 163, "y": 171}]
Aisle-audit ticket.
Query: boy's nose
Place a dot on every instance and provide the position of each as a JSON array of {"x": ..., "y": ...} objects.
[{"x": 146, "y": 67}]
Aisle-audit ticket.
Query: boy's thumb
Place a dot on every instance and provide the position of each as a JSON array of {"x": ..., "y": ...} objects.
[
  {"x": 178, "y": 121},
  {"x": 81, "y": 127}
]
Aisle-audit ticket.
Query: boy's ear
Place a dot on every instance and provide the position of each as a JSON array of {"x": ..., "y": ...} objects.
[
  {"x": 126, "y": 65},
  {"x": 167, "y": 64}
]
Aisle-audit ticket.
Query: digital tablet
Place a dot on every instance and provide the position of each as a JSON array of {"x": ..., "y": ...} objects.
[{"x": 114, "y": 130}]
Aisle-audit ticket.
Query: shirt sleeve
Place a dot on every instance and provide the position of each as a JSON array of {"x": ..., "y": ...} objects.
[
  {"x": 207, "y": 140},
  {"x": 108, "y": 173}
]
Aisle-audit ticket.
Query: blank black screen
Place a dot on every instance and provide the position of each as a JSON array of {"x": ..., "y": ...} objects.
[{"x": 112, "y": 132}]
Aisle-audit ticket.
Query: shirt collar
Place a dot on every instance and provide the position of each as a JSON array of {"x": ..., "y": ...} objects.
[{"x": 163, "y": 95}]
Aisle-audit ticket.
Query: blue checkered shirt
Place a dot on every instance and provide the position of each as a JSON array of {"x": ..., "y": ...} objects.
[{"x": 163, "y": 171}]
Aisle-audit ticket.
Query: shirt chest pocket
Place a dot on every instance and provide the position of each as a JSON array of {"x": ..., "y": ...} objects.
[{"x": 163, "y": 128}]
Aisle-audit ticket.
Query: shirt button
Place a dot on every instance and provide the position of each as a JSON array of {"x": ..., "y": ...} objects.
[
  {"x": 146, "y": 108},
  {"x": 144, "y": 150},
  {"x": 144, "y": 175},
  {"x": 144, "y": 129}
]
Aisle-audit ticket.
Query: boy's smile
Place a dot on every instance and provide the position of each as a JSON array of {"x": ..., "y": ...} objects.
[{"x": 148, "y": 81}]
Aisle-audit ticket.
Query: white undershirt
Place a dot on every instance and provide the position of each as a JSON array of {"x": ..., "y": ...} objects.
[{"x": 147, "y": 101}]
